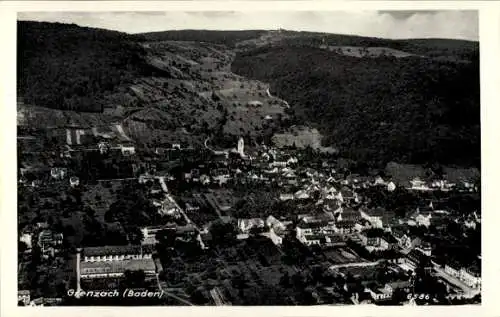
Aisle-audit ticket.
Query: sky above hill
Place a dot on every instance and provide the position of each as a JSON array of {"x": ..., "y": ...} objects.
[{"x": 386, "y": 24}]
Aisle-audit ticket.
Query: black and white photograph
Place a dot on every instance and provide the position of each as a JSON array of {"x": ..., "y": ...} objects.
[{"x": 248, "y": 158}]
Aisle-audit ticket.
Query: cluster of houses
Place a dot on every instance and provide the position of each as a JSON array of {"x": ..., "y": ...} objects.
[
  {"x": 469, "y": 275},
  {"x": 36, "y": 177},
  {"x": 443, "y": 185},
  {"x": 339, "y": 215},
  {"x": 47, "y": 240}
]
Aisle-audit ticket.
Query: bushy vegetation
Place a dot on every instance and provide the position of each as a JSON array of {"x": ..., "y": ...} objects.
[{"x": 414, "y": 110}]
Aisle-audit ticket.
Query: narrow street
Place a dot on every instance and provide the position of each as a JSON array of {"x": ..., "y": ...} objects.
[{"x": 165, "y": 190}]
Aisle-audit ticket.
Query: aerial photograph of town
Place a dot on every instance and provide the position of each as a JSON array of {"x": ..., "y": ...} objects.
[{"x": 248, "y": 158}]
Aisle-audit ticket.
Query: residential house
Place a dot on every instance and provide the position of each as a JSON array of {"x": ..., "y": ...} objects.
[
  {"x": 333, "y": 206},
  {"x": 471, "y": 277},
  {"x": 278, "y": 164},
  {"x": 325, "y": 217},
  {"x": 36, "y": 183},
  {"x": 379, "y": 181},
  {"x": 415, "y": 258},
  {"x": 74, "y": 181},
  {"x": 44, "y": 301},
  {"x": 439, "y": 220},
  {"x": 187, "y": 233},
  {"x": 312, "y": 239},
  {"x": 373, "y": 239},
  {"x": 392, "y": 242},
  {"x": 276, "y": 234},
  {"x": 222, "y": 179},
  {"x": 349, "y": 214},
  {"x": 314, "y": 232},
  {"x": 26, "y": 238},
  {"x": 329, "y": 191},
  {"x": 396, "y": 285},
  {"x": 346, "y": 226},
  {"x": 469, "y": 222},
  {"x": 103, "y": 147},
  {"x": 58, "y": 172},
  {"x": 285, "y": 197},
  {"x": 24, "y": 297},
  {"x": 378, "y": 217},
  {"x": 423, "y": 219},
  {"x": 149, "y": 233},
  {"x": 391, "y": 187},
  {"x": 204, "y": 179},
  {"x": 190, "y": 207},
  {"x": 348, "y": 195},
  {"x": 335, "y": 240},
  {"x": 438, "y": 184},
  {"x": 168, "y": 207},
  {"x": 361, "y": 225},
  {"x": 301, "y": 194},
  {"x": 425, "y": 206},
  {"x": 49, "y": 242},
  {"x": 127, "y": 150},
  {"x": 272, "y": 171},
  {"x": 145, "y": 178},
  {"x": 425, "y": 248},
  {"x": 418, "y": 184},
  {"x": 245, "y": 225},
  {"x": 353, "y": 179},
  {"x": 346, "y": 221},
  {"x": 379, "y": 294},
  {"x": 404, "y": 241},
  {"x": 272, "y": 222}
]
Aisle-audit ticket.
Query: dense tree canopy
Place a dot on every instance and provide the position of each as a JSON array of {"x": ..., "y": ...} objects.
[
  {"x": 376, "y": 110},
  {"x": 65, "y": 66}
]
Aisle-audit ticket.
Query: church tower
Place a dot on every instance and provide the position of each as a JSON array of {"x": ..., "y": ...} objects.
[{"x": 241, "y": 147}]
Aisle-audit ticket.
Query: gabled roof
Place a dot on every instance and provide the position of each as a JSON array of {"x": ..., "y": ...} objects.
[
  {"x": 346, "y": 192},
  {"x": 378, "y": 212},
  {"x": 374, "y": 232},
  {"x": 345, "y": 224},
  {"x": 389, "y": 238},
  {"x": 117, "y": 250},
  {"x": 310, "y": 225},
  {"x": 117, "y": 266},
  {"x": 350, "y": 212}
]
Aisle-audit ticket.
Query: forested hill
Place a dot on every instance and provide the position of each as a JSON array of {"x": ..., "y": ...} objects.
[
  {"x": 65, "y": 66},
  {"x": 408, "y": 109},
  {"x": 228, "y": 38},
  {"x": 375, "y": 100}
]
